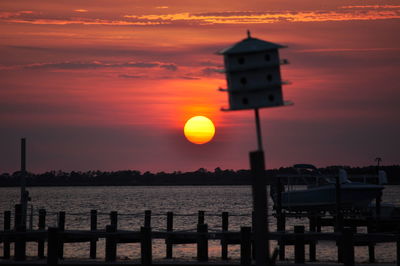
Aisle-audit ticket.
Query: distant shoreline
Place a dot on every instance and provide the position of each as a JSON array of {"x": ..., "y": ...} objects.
[{"x": 201, "y": 177}]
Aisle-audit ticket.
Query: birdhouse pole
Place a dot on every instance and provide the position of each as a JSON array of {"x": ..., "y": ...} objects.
[
  {"x": 252, "y": 69},
  {"x": 24, "y": 193},
  {"x": 258, "y": 129}
]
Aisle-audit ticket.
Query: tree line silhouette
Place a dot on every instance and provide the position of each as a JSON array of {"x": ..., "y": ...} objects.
[{"x": 199, "y": 177}]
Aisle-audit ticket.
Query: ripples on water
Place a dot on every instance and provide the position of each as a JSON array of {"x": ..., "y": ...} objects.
[{"x": 131, "y": 202}]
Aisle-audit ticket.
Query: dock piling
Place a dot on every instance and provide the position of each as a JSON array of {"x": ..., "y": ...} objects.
[
  {"x": 200, "y": 219},
  {"x": 281, "y": 219},
  {"x": 114, "y": 219},
  {"x": 348, "y": 247},
  {"x": 225, "y": 228},
  {"x": 20, "y": 226},
  {"x": 146, "y": 246},
  {"x": 111, "y": 245},
  {"x": 371, "y": 246},
  {"x": 93, "y": 227},
  {"x": 170, "y": 228},
  {"x": 7, "y": 227},
  {"x": 260, "y": 204},
  {"x": 299, "y": 248},
  {"x": 61, "y": 228},
  {"x": 41, "y": 226},
  {"x": 52, "y": 246},
  {"x": 312, "y": 246},
  {"x": 147, "y": 218},
  {"x": 202, "y": 242},
  {"x": 398, "y": 251},
  {"x": 245, "y": 246}
]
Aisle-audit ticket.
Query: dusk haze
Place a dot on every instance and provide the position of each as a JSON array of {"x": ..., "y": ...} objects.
[{"x": 109, "y": 85}]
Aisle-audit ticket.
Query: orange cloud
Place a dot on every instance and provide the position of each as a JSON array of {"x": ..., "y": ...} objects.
[
  {"x": 347, "y": 50},
  {"x": 83, "y": 22},
  {"x": 345, "y": 13},
  {"x": 4, "y": 15},
  {"x": 81, "y": 10},
  {"x": 372, "y": 6},
  {"x": 270, "y": 17}
]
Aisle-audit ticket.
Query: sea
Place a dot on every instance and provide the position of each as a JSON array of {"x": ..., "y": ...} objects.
[{"x": 185, "y": 201}]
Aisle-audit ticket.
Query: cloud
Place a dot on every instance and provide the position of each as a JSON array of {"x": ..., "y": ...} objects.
[
  {"x": 211, "y": 64},
  {"x": 5, "y": 15},
  {"x": 372, "y": 6},
  {"x": 81, "y": 10},
  {"x": 208, "y": 71},
  {"x": 344, "y": 13},
  {"x": 83, "y": 21},
  {"x": 273, "y": 17},
  {"x": 69, "y": 65},
  {"x": 135, "y": 64},
  {"x": 128, "y": 76},
  {"x": 341, "y": 50},
  {"x": 189, "y": 77},
  {"x": 171, "y": 67}
]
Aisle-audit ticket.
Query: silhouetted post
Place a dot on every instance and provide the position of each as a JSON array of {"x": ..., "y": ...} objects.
[
  {"x": 114, "y": 219},
  {"x": 312, "y": 246},
  {"x": 200, "y": 218},
  {"x": 281, "y": 228},
  {"x": 17, "y": 215},
  {"x": 245, "y": 246},
  {"x": 93, "y": 227},
  {"x": 398, "y": 250},
  {"x": 61, "y": 228},
  {"x": 318, "y": 221},
  {"x": 147, "y": 218},
  {"x": 170, "y": 228},
  {"x": 253, "y": 226},
  {"x": 111, "y": 245},
  {"x": 52, "y": 246},
  {"x": 202, "y": 242},
  {"x": 7, "y": 227},
  {"x": 260, "y": 207},
  {"x": 371, "y": 246},
  {"x": 31, "y": 219},
  {"x": 299, "y": 245},
  {"x": 20, "y": 244},
  {"x": 339, "y": 218},
  {"x": 24, "y": 192},
  {"x": 41, "y": 226},
  {"x": 146, "y": 246},
  {"x": 348, "y": 247},
  {"x": 225, "y": 227},
  {"x": 280, "y": 217}
]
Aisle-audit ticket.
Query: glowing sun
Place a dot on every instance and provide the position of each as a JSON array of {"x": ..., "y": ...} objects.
[{"x": 199, "y": 130}]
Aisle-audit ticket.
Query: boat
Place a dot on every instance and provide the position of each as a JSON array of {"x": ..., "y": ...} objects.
[{"x": 319, "y": 193}]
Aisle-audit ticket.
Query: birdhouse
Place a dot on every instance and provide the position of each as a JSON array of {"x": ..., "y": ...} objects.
[{"x": 253, "y": 75}]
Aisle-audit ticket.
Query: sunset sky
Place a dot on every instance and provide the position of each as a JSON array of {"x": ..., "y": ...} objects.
[{"x": 109, "y": 85}]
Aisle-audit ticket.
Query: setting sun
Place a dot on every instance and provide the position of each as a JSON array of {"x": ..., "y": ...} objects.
[{"x": 199, "y": 130}]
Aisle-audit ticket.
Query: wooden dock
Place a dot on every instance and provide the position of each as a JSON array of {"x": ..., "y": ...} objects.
[{"x": 56, "y": 237}]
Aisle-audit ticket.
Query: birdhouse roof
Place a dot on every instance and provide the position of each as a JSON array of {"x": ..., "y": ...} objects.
[{"x": 250, "y": 45}]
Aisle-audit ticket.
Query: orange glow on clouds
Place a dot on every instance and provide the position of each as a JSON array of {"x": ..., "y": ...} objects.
[
  {"x": 81, "y": 10},
  {"x": 343, "y": 13},
  {"x": 273, "y": 17}
]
